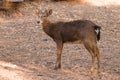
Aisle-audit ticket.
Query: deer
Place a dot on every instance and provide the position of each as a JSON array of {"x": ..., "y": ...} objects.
[{"x": 82, "y": 31}]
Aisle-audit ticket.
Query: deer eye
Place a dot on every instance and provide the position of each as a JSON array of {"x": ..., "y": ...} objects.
[{"x": 44, "y": 16}]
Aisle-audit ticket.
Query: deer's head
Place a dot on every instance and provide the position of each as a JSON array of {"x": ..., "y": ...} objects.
[{"x": 43, "y": 15}]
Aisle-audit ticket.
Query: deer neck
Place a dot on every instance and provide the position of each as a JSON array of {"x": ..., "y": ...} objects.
[{"x": 46, "y": 25}]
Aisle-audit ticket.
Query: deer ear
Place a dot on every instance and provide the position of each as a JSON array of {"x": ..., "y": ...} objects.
[{"x": 50, "y": 12}]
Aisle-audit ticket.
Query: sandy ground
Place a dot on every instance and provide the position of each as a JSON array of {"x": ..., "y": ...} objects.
[
  {"x": 102, "y": 2},
  {"x": 27, "y": 53}
]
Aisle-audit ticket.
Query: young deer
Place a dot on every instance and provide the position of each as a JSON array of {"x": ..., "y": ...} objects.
[{"x": 83, "y": 31}]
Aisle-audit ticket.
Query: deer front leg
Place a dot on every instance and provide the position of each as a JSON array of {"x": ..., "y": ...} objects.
[{"x": 59, "y": 52}]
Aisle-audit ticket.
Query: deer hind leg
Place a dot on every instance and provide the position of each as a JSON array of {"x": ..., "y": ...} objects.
[
  {"x": 59, "y": 52},
  {"x": 90, "y": 48},
  {"x": 96, "y": 51}
]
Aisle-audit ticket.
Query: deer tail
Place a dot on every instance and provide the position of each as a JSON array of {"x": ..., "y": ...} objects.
[{"x": 99, "y": 32}]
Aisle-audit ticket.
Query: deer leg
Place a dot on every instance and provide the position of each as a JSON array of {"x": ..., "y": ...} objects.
[
  {"x": 92, "y": 65},
  {"x": 89, "y": 47},
  {"x": 98, "y": 58},
  {"x": 59, "y": 52},
  {"x": 96, "y": 54}
]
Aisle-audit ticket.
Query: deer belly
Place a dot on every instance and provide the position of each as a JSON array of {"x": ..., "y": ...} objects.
[{"x": 74, "y": 42}]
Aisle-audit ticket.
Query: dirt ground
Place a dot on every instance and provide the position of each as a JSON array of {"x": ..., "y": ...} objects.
[{"x": 27, "y": 53}]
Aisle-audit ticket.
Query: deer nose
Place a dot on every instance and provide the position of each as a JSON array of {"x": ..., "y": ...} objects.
[{"x": 38, "y": 22}]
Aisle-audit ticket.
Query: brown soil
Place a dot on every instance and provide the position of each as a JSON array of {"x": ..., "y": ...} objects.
[{"x": 27, "y": 53}]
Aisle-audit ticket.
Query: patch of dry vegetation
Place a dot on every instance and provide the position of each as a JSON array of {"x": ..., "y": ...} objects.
[{"x": 7, "y": 9}]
